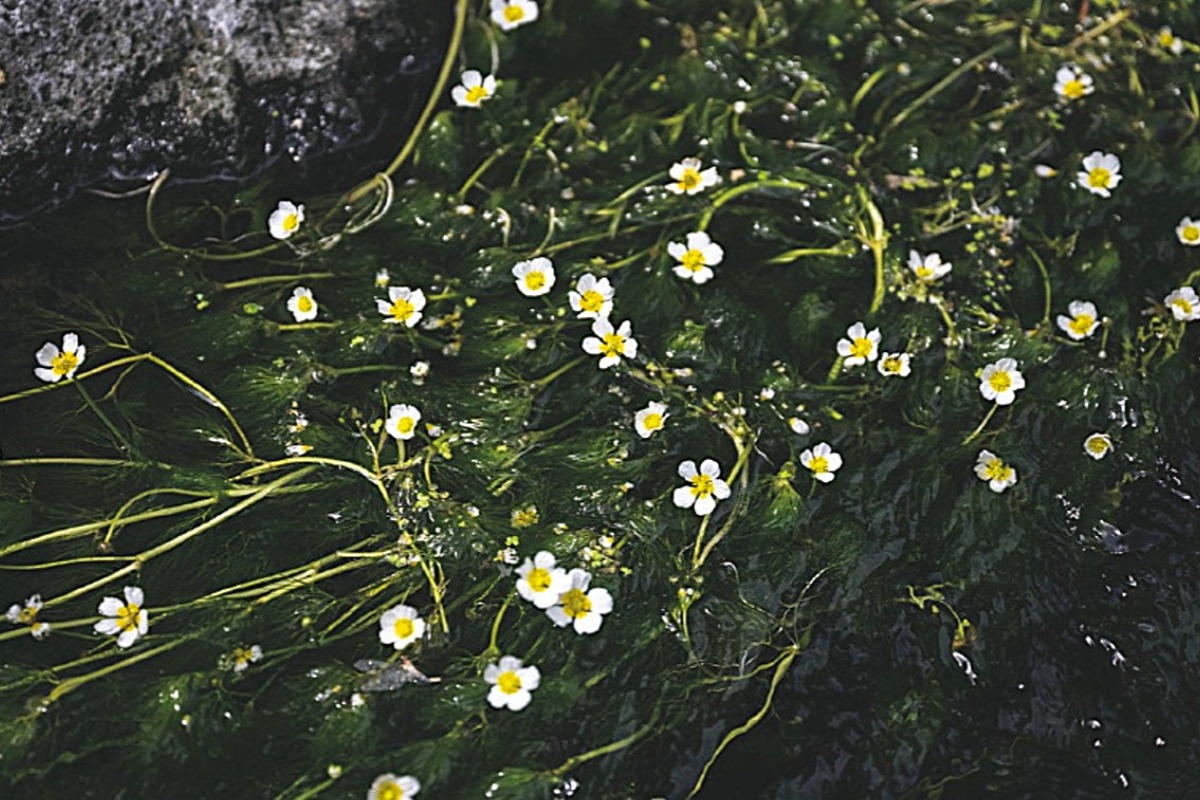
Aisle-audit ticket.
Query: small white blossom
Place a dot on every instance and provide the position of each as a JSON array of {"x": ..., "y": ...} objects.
[
  {"x": 687, "y": 177},
  {"x": 1097, "y": 445},
  {"x": 1169, "y": 41},
  {"x": 1184, "y": 304},
  {"x": 860, "y": 346},
  {"x": 1045, "y": 171},
  {"x": 127, "y": 620},
  {"x": 534, "y": 277},
  {"x": 510, "y": 14},
  {"x": 822, "y": 461},
  {"x": 928, "y": 268},
  {"x": 285, "y": 219},
  {"x": 1101, "y": 172},
  {"x": 26, "y": 614},
  {"x": 1188, "y": 232},
  {"x": 402, "y": 421},
  {"x": 242, "y": 657},
  {"x": 704, "y": 488},
  {"x": 393, "y": 787},
  {"x": 798, "y": 426},
  {"x": 579, "y": 607},
  {"x": 419, "y": 371},
  {"x": 58, "y": 364},
  {"x": 474, "y": 90},
  {"x": 990, "y": 468},
  {"x": 896, "y": 364},
  {"x": 591, "y": 298},
  {"x": 696, "y": 258},
  {"x": 511, "y": 682},
  {"x": 650, "y": 419},
  {"x": 540, "y": 582},
  {"x": 1000, "y": 381},
  {"x": 1082, "y": 321},
  {"x": 1072, "y": 83},
  {"x": 611, "y": 344},
  {"x": 302, "y": 305},
  {"x": 403, "y": 306},
  {"x": 400, "y": 626}
]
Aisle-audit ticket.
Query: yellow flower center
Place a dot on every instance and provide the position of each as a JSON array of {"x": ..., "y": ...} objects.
[
  {"x": 403, "y": 628},
  {"x": 401, "y": 310},
  {"x": 575, "y": 603},
  {"x": 924, "y": 272},
  {"x": 406, "y": 425},
  {"x": 693, "y": 261},
  {"x": 27, "y": 616},
  {"x": 1182, "y": 305},
  {"x": 514, "y": 13},
  {"x": 524, "y": 517},
  {"x": 819, "y": 464},
  {"x": 304, "y": 303},
  {"x": 591, "y": 301},
  {"x": 290, "y": 222},
  {"x": 1099, "y": 177},
  {"x": 509, "y": 682},
  {"x": 1082, "y": 324},
  {"x": 1096, "y": 444},
  {"x": 535, "y": 280},
  {"x": 1000, "y": 381},
  {"x": 997, "y": 471},
  {"x": 652, "y": 422},
  {"x": 1073, "y": 89},
  {"x": 702, "y": 485},
  {"x": 893, "y": 364},
  {"x": 538, "y": 579},
  {"x": 390, "y": 791},
  {"x": 64, "y": 364},
  {"x": 690, "y": 179},
  {"x": 613, "y": 345},
  {"x": 242, "y": 656},
  {"x": 1190, "y": 233},
  {"x": 860, "y": 348},
  {"x": 1166, "y": 39},
  {"x": 127, "y": 617},
  {"x": 476, "y": 94}
]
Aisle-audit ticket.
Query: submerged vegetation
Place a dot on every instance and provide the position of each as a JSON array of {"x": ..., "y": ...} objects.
[{"x": 757, "y": 398}]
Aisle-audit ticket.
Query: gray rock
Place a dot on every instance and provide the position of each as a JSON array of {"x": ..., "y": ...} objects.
[{"x": 97, "y": 90}]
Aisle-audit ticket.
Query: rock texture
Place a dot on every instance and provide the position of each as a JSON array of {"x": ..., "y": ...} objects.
[{"x": 103, "y": 90}]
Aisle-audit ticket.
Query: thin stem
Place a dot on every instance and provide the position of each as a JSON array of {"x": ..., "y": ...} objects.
[{"x": 982, "y": 424}]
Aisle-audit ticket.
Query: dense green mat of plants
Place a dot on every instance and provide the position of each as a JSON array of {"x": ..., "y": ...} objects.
[{"x": 903, "y": 575}]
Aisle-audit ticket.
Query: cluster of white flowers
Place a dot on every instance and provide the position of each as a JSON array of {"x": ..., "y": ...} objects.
[{"x": 563, "y": 595}]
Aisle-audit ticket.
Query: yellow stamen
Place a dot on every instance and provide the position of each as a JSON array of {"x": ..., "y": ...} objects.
[
  {"x": 291, "y": 222},
  {"x": 538, "y": 579},
  {"x": 1073, "y": 89},
  {"x": 64, "y": 364},
  {"x": 127, "y": 617},
  {"x": 514, "y": 13},
  {"x": 861, "y": 348},
  {"x": 535, "y": 280},
  {"x": 591, "y": 301},
  {"x": 693, "y": 261},
  {"x": 702, "y": 485},
  {"x": 689, "y": 180},
  {"x": 401, "y": 310},
  {"x": 476, "y": 95},
  {"x": 575, "y": 603},
  {"x": 613, "y": 345},
  {"x": 304, "y": 303},
  {"x": 1099, "y": 178},
  {"x": 508, "y": 682},
  {"x": 652, "y": 422},
  {"x": 1000, "y": 381},
  {"x": 1082, "y": 324},
  {"x": 819, "y": 464}
]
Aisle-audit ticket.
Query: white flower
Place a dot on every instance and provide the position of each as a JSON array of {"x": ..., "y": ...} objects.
[
  {"x": 1097, "y": 445},
  {"x": 1082, "y": 322},
  {"x": 26, "y": 614},
  {"x": 1000, "y": 381},
  {"x": 534, "y": 277},
  {"x": 579, "y": 607},
  {"x": 402, "y": 421},
  {"x": 822, "y": 461},
  {"x": 285, "y": 219},
  {"x": 302, "y": 305},
  {"x": 511, "y": 683},
  {"x": 474, "y": 89},
  {"x": 298, "y": 449},
  {"x": 242, "y": 657},
  {"x": 1045, "y": 171},
  {"x": 127, "y": 620},
  {"x": 705, "y": 489},
  {"x": 400, "y": 626},
  {"x": 650, "y": 419},
  {"x": 688, "y": 178},
  {"x": 540, "y": 582},
  {"x": 1184, "y": 304},
  {"x": 419, "y": 371},
  {"x": 696, "y": 258},
  {"x": 393, "y": 787},
  {"x": 1072, "y": 83},
  {"x": 612, "y": 344},
  {"x": 927, "y": 268},
  {"x": 798, "y": 426},
  {"x": 509, "y": 14},
  {"x": 58, "y": 364},
  {"x": 990, "y": 468},
  {"x": 1188, "y": 232},
  {"x": 894, "y": 364},
  {"x": 1101, "y": 172},
  {"x": 860, "y": 347},
  {"x": 382, "y": 278},
  {"x": 1169, "y": 41},
  {"x": 403, "y": 306},
  {"x": 591, "y": 298}
]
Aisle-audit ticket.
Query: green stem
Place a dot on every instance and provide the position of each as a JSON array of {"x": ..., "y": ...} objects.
[
  {"x": 108, "y": 423},
  {"x": 982, "y": 424}
]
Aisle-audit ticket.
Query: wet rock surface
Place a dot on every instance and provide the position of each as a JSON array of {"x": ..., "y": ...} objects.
[{"x": 111, "y": 91}]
